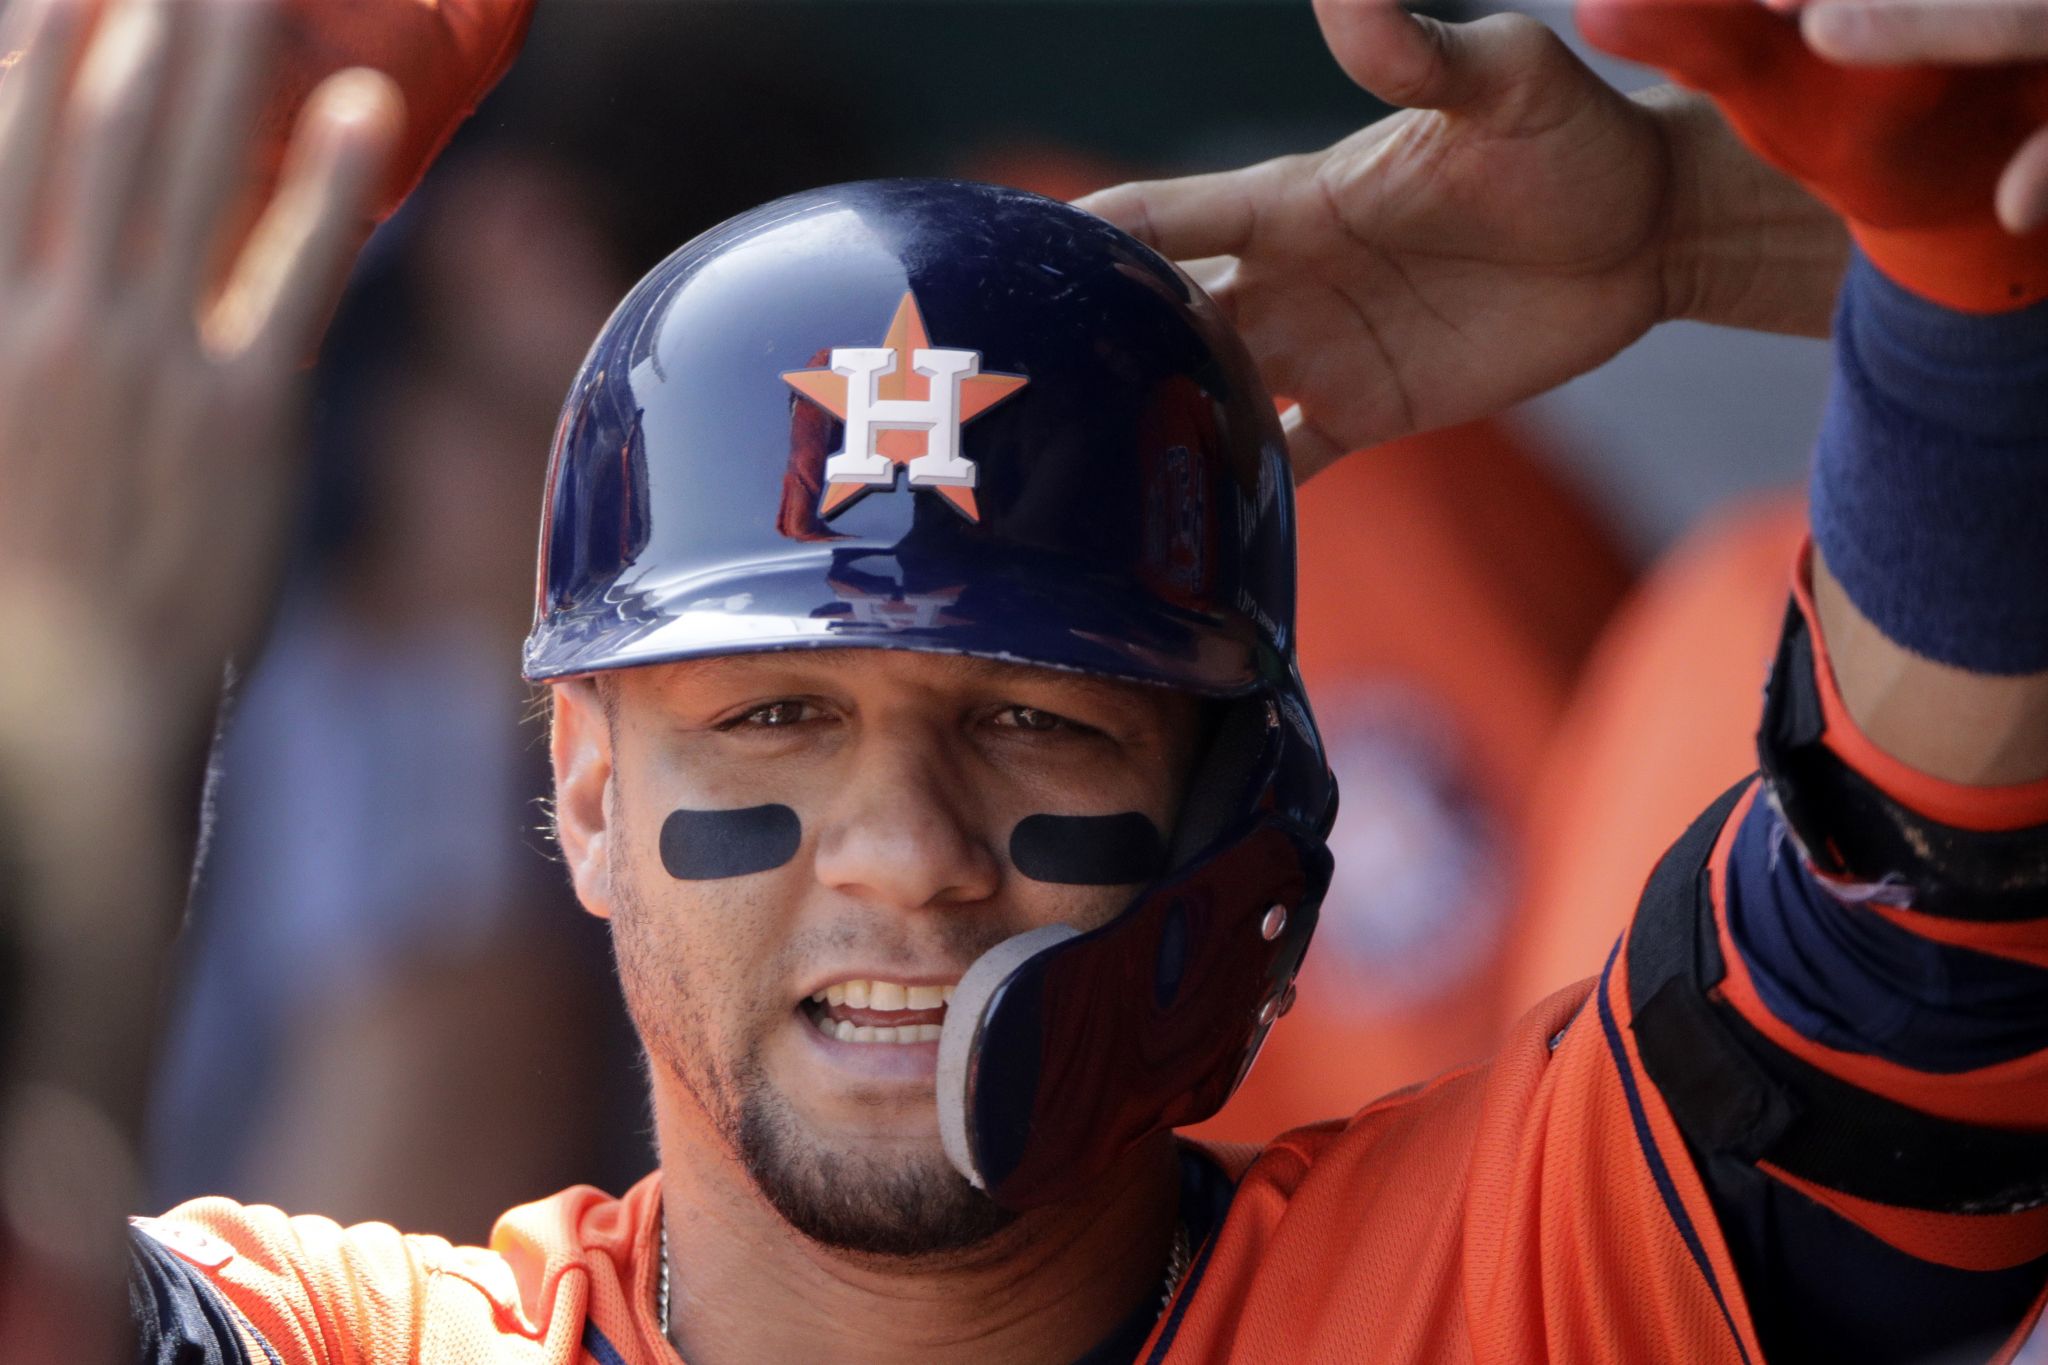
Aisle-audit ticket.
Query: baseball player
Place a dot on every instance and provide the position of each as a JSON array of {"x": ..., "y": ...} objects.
[{"x": 915, "y": 593}]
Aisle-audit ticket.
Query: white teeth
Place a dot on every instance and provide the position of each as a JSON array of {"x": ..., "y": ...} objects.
[
  {"x": 847, "y": 1032},
  {"x": 881, "y": 995}
]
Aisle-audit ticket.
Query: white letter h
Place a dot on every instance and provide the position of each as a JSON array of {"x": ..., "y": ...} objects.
[{"x": 937, "y": 416}]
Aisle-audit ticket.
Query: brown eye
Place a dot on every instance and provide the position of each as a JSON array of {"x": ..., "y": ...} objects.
[
  {"x": 777, "y": 715},
  {"x": 1030, "y": 718}
]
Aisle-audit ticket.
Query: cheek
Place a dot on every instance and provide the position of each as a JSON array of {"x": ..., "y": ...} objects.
[{"x": 698, "y": 958}]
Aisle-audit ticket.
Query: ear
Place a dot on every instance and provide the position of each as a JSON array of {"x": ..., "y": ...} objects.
[{"x": 581, "y": 746}]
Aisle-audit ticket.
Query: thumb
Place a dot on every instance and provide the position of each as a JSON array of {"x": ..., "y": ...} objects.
[{"x": 1417, "y": 62}]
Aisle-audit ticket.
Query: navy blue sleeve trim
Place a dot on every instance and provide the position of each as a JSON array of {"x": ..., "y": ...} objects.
[
  {"x": 600, "y": 1347},
  {"x": 1659, "y": 1172},
  {"x": 1854, "y": 981},
  {"x": 1734, "y": 1091},
  {"x": 1822, "y": 1290},
  {"x": 1819, "y": 1288},
  {"x": 180, "y": 1318}
]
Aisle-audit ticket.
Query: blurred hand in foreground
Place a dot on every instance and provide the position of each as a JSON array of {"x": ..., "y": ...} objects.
[
  {"x": 147, "y": 474},
  {"x": 1923, "y": 122},
  {"x": 1949, "y": 33},
  {"x": 1517, "y": 225},
  {"x": 147, "y": 442}
]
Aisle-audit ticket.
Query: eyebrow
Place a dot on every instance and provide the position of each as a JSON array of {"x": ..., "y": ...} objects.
[{"x": 971, "y": 666}]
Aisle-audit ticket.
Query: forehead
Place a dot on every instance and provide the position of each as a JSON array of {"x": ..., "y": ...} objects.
[{"x": 895, "y": 671}]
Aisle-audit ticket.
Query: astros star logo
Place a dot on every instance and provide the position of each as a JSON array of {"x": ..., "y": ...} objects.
[{"x": 903, "y": 403}]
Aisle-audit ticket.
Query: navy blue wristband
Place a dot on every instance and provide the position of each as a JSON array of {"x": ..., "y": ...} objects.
[{"x": 1930, "y": 480}]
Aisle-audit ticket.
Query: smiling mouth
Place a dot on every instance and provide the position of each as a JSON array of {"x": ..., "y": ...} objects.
[{"x": 867, "y": 1011}]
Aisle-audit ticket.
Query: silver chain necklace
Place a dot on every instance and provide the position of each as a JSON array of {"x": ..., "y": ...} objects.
[{"x": 1177, "y": 1258}]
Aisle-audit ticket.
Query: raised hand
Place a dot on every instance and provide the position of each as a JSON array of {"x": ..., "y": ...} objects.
[
  {"x": 1953, "y": 33},
  {"x": 146, "y": 416},
  {"x": 147, "y": 458},
  {"x": 444, "y": 54},
  {"x": 1938, "y": 169},
  {"x": 1518, "y": 225}
]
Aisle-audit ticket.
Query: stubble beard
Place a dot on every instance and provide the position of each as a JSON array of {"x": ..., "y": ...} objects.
[
  {"x": 855, "y": 1201},
  {"x": 870, "y": 1203}
]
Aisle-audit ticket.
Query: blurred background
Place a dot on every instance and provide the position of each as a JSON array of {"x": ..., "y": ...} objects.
[{"x": 1536, "y": 644}]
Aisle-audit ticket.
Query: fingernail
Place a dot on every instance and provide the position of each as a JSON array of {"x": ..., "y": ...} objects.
[
  {"x": 2020, "y": 216},
  {"x": 2021, "y": 200},
  {"x": 359, "y": 95},
  {"x": 1834, "y": 30}
]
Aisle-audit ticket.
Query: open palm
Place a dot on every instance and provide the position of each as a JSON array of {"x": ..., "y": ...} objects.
[{"x": 1500, "y": 235}]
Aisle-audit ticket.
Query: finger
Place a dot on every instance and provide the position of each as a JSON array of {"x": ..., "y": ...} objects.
[
  {"x": 285, "y": 282},
  {"x": 1905, "y": 32},
  {"x": 38, "y": 43},
  {"x": 200, "y": 178},
  {"x": 1417, "y": 62},
  {"x": 110, "y": 123},
  {"x": 1399, "y": 57},
  {"x": 2022, "y": 197},
  {"x": 1197, "y": 215},
  {"x": 1309, "y": 450}
]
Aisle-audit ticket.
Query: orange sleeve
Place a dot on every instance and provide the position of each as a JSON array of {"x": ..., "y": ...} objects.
[
  {"x": 316, "y": 1293},
  {"x": 1997, "y": 1105}
]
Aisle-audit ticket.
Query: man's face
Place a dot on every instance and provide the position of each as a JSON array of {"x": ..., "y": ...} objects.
[{"x": 787, "y": 969}]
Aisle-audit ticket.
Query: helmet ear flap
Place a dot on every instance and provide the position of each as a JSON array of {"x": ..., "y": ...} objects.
[
  {"x": 957, "y": 1071},
  {"x": 1227, "y": 777}
]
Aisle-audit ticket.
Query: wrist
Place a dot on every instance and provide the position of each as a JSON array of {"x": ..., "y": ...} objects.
[
  {"x": 1929, "y": 478},
  {"x": 1742, "y": 245}
]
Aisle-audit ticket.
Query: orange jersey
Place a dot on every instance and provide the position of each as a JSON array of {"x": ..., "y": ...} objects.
[
  {"x": 1550, "y": 1204},
  {"x": 1538, "y": 1207},
  {"x": 1444, "y": 1224}
]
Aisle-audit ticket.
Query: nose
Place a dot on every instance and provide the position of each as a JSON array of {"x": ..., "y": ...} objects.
[{"x": 901, "y": 828}]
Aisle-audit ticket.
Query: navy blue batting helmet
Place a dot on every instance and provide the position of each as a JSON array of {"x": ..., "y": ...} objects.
[{"x": 948, "y": 417}]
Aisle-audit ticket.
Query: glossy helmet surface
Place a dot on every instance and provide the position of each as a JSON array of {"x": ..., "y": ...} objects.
[{"x": 949, "y": 417}]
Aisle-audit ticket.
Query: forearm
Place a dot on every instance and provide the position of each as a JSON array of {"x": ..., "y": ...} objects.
[
  {"x": 1977, "y": 729},
  {"x": 1931, "y": 522},
  {"x": 1880, "y": 919},
  {"x": 1744, "y": 245}
]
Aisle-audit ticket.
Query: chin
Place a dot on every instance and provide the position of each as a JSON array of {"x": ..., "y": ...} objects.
[{"x": 896, "y": 1198}]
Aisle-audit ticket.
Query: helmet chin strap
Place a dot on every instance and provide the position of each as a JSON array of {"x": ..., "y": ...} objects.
[{"x": 961, "y": 1032}]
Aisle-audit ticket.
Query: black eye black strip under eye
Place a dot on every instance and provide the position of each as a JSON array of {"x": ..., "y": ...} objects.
[
  {"x": 704, "y": 845},
  {"x": 1088, "y": 850}
]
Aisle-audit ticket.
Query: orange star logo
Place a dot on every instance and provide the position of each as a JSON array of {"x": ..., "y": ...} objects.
[{"x": 903, "y": 403}]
